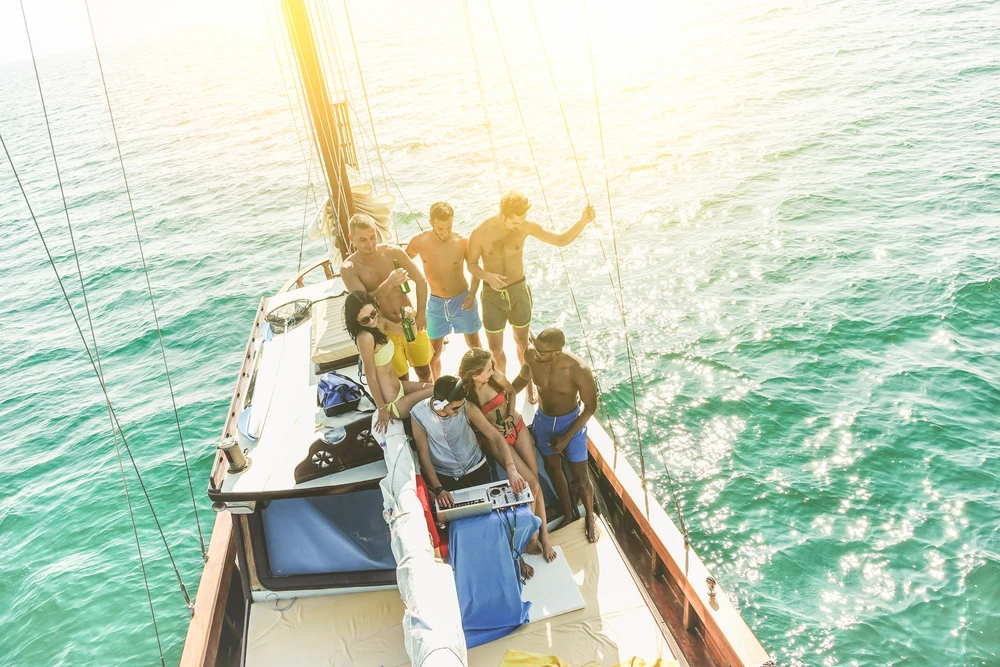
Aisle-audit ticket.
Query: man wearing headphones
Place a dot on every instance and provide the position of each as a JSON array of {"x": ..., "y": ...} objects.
[{"x": 450, "y": 457}]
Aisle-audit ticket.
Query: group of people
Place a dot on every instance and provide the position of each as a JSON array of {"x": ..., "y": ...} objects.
[{"x": 454, "y": 441}]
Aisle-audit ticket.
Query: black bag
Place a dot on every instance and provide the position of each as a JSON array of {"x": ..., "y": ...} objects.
[{"x": 356, "y": 448}]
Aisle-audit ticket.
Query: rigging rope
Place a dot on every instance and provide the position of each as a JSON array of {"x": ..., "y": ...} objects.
[
  {"x": 562, "y": 111},
  {"x": 302, "y": 233},
  {"x": 149, "y": 286},
  {"x": 114, "y": 433},
  {"x": 619, "y": 297},
  {"x": 94, "y": 363},
  {"x": 288, "y": 96},
  {"x": 392, "y": 178},
  {"x": 614, "y": 240},
  {"x": 298, "y": 136},
  {"x": 107, "y": 400},
  {"x": 327, "y": 131},
  {"x": 482, "y": 95},
  {"x": 328, "y": 32},
  {"x": 562, "y": 260},
  {"x": 364, "y": 90},
  {"x": 322, "y": 32},
  {"x": 345, "y": 82}
]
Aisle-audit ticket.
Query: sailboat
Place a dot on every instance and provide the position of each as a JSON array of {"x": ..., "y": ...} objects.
[{"x": 337, "y": 567}]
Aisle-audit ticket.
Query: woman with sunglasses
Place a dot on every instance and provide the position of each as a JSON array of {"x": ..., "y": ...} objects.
[{"x": 367, "y": 327}]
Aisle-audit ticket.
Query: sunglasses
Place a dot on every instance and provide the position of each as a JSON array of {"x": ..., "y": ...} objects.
[
  {"x": 373, "y": 316},
  {"x": 455, "y": 410}
]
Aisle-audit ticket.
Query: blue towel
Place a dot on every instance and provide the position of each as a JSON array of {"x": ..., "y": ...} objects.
[{"x": 487, "y": 577}]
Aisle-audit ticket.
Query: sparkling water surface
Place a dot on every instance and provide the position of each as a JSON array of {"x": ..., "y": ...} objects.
[{"x": 806, "y": 197}]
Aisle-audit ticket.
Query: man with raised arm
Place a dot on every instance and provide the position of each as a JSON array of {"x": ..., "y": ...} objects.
[
  {"x": 506, "y": 296},
  {"x": 371, "y": 269},
  {"x": 564, "y": 381},
  {"x": 452, "y": 305}
]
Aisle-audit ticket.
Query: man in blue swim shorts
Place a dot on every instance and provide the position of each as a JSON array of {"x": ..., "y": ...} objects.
[
  {"x": 564, "y": 382},
  {"x": 452, "y": 305}
]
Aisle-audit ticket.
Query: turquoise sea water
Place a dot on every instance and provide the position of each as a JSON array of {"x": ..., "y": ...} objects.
[{"x": 807, "y": 198}]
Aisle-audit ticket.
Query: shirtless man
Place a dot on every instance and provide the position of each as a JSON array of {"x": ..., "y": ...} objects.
[
  {"x": 560, "y": 424},
  {"x": 506, "y": 296},
  {"x": 371, "y": 269},
  {"x": 452, "y": 305}
]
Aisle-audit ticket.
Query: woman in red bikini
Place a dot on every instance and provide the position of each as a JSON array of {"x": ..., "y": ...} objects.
[{"x": 488, "y": 389}]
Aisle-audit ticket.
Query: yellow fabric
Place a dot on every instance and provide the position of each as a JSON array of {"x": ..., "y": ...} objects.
[
  {"x": 392, "y": 407},
  {"x": 417, "y": 353},
  {"x": 515, "y": 658},
  {"x": 385, "y": 354}
]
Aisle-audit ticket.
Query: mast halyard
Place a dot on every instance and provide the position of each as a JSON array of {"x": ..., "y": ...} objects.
[{"x": 325, "y": 122}]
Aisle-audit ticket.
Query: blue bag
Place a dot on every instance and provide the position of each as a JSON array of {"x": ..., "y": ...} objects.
[{"x": 338, "y": 394}]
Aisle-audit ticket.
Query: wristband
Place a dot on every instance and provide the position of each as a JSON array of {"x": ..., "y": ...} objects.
[{"x": 437, "y": 490}]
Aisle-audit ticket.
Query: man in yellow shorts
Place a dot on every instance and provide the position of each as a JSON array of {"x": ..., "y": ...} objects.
[{"x": 371, "y": 269}]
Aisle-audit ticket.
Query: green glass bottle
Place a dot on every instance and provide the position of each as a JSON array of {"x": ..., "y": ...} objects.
[
  {"x": 409, "y": 332},
  {"x": 405, "y": 287}
]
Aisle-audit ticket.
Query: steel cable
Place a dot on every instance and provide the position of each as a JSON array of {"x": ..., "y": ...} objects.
[
  {"x": 149, "y": 286},
  {"x": 94, "y": 362},
  {"x": 86, "y": 347},
  {"x": 562, "y": 260}
]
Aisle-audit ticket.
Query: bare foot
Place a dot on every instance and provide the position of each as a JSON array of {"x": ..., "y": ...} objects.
[
  {"x": 531, "y": 396},
  {"x": 591, "y": 528},
  {"x": 547, "y": 550},
  {"x": 526, "y": 570},
  {"x": 533, "y": 548}
]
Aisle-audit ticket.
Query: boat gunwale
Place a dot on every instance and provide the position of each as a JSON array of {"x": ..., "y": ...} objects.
[
  {"x": 229, "y": 427},
  {"x": 201, "y": 644},
  {"x": 250, "y": 354},
  {"x": 728, "y": 637}
]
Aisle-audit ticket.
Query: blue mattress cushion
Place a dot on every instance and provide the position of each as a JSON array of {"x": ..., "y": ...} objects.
[{"x": 484, "y": 553}]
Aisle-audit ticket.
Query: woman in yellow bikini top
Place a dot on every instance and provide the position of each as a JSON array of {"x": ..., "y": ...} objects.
[{"x": 368, "y": 329}]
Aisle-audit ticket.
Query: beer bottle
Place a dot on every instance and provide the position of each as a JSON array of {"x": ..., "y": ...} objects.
[
  {"x": 405, "y": 287},
  {"x": 409, "y": 332}
]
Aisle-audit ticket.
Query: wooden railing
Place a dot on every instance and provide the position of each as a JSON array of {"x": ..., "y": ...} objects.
[
  {"x": 726, "y": 634},
  {"x": 299, "y": 280},
  {"x": 201, "y": 646}
]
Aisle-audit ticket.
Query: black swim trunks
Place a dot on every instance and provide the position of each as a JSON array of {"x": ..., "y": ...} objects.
[{"x": 511, "y": 304}]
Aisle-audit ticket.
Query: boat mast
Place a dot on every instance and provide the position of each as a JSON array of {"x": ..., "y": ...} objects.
[{"x": 325, "y": 123}]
